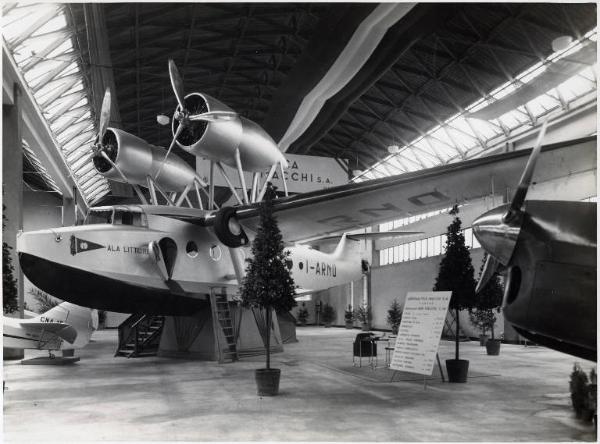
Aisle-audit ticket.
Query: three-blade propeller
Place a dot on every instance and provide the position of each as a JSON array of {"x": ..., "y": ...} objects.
[
  {"x": 499, "y": 231},
  {"x": 182, "y": 114}
]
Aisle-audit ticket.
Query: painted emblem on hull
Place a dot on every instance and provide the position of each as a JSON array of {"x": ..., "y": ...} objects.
[{"x": 81, "y": 245}]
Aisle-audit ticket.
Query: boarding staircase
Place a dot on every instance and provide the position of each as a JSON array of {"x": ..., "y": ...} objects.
[
  {"x": 222, "y": 320},
  {"x": 139, "y": 335}
]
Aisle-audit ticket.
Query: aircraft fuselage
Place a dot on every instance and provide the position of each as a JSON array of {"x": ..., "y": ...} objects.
[{"x": 110, "y": 263}]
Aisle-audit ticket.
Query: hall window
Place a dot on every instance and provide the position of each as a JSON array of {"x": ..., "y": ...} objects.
[{"x": 423, "y": 248}]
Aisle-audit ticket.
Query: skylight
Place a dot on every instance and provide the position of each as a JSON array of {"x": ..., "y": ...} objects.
[
  {"x": 462, "y": 135},
  {"x": 41, "y": 42}
]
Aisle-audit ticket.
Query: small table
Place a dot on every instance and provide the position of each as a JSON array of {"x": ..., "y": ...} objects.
[{"x": 371, "y": 341}]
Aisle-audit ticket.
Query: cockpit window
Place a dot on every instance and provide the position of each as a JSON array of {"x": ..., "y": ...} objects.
[
  {"x": 127, "y": 217},
  {"x": 116, "y": 217},
  {"x": 99, "y": 217}
]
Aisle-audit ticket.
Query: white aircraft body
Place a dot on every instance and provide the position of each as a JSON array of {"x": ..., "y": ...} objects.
[
  {"x": 64, "y": 327},
  {"x": 164, "y": 256}
]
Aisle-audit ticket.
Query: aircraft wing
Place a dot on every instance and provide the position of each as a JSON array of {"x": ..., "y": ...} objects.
[
  {"x": 354, "y": 205},
  {"x": 62, "y": 330}
]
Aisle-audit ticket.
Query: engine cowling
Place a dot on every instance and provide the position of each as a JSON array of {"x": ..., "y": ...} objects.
[
  {"x": 228, "y": 229},
  {"x": 137, "y": 159},
  {"x": 218, "y": 140}
]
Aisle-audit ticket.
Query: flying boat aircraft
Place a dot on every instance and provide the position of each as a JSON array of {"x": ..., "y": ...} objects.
[
  {"x": 548, "y": 251},
  {"x": 166, "y": 254}
]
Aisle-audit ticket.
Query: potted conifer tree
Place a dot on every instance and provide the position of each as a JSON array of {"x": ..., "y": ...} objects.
[
  {"x": 456, "y": 274},
  {"x": 303, "y": 315},
  {"x": 10, "y": 294},
  {"x": 328, "y": 315},
  {"x": 363, "y": 315},
  {"x": 268, "y": 285},
  {"x": 394, "y": 316},
  {"x": 349, "y": 317},
  {"x": 488, "y": 301}
]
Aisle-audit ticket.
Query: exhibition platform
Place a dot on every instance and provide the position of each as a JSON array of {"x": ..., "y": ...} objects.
[{"x": 520, "y": 395}]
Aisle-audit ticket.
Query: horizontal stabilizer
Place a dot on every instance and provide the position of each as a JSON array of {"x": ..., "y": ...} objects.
[{"x": 64, "y": 331}]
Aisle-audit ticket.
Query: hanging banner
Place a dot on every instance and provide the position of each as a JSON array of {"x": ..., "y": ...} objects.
[
  {"x": 420, "y": 331},
  {"x": 304, "y": 173}
]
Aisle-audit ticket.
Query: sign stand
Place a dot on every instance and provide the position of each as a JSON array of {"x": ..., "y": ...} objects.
[
  {"x": 419, "y": 334},
  {"x": 437, "y": 357}
]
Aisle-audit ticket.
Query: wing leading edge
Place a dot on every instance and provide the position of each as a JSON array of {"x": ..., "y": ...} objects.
[{"x": 355, "y": 205}]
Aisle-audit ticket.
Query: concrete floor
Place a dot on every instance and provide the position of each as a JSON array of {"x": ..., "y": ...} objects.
[{"x": 521, "y": 395}]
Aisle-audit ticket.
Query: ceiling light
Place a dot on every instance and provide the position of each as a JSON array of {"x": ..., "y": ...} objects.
[
  {"x": 162, "y": 119},
  {"x": 561, "y": 43},
  {"x": 356, "y": 172},
  {"x": 393, "y": 149}
]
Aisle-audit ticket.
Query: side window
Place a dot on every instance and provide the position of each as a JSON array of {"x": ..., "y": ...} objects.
[
  {"x": 127, "y": 218},
  {"x": 191, "y": 249}
]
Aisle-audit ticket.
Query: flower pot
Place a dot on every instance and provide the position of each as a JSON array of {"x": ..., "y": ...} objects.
[
  {"x": 267, "y": 381},
  {"x": 493, "y": 347},
  {"x": 349, "y": 324},
  {"x": 365, "y": 327},
  {"x": 395, "y": 330},
  {"x": 327, "y": 324},
  {"x": 457, "y": 369},
  {"x": 483, "y": 339}
]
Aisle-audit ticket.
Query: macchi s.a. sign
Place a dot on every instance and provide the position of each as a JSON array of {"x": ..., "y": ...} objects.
[{"x": 304, "y": 173}]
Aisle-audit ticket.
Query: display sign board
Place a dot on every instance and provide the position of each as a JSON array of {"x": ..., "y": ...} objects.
[
  {"x": 304, "y": 173},
  {"x": 420, "y": 331}
]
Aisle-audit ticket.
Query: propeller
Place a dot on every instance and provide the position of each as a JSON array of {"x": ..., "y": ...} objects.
[
  {"x": 498, "y": 229},
  {"x": 525, "y": 182},
  {"x": 489, "y": 270},
  {"x": 104, "y": 115},
  {"x": 177, "y": 84},
  {"x": 102, "y": 148},
  {"x": 213, "y": 116},
  {"x": 182, "y": 114}
]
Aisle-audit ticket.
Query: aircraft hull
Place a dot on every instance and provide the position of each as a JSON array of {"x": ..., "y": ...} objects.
[{"x": 93, "y": 290}]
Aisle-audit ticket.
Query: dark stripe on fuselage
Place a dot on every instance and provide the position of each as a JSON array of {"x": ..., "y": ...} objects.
[
  {"x": 20, "y": 337},
  {"x": 91, "y": 290}
]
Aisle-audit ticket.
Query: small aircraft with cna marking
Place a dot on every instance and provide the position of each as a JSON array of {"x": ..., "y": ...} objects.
[
  {"x": 64, "y": 327},
  {"x": 164, "y": 255}
]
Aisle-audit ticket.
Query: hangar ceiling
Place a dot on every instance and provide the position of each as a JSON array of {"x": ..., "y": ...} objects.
[{"x": 263, "y": 59}]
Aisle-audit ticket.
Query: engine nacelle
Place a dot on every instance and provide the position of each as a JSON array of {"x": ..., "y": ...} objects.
[
  {"x": 137, "y": 159},
  {"x": 218, "y": 140}
]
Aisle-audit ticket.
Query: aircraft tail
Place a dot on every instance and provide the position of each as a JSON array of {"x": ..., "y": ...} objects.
[
  {"x": 346, "y": 242},
  {"x": 79, "y": 322}
]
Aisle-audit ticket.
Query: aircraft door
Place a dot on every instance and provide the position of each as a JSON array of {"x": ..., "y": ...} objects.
[
  {"x": 164, "y": 253},
  {"x": 168, "y": 248}
]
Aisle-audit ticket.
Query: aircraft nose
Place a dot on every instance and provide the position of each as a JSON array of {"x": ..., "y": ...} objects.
[
  {"x": 495, "y": 235},
  {"x": 40, "y": 242}
]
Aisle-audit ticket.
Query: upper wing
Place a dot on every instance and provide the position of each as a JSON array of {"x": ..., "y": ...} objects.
[
  {"x": 64, "y": 331},
  {"x": 351, "y": 206}
]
